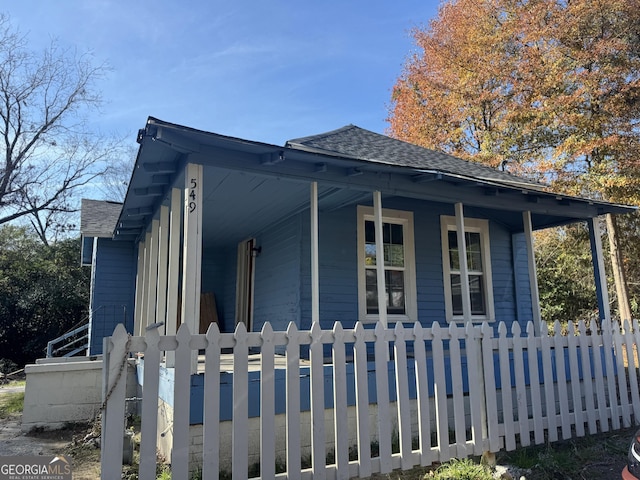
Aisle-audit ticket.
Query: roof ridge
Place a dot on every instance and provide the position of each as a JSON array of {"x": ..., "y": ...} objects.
[{"x": 320, "y": 136}]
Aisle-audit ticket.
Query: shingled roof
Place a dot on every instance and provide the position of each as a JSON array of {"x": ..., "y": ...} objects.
[
  {"x": 358, "y": 143},
  {"x": 98, "y": 218}
]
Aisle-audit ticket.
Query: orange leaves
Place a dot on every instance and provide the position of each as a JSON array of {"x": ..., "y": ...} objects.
[{"x": 553, "y": 87}]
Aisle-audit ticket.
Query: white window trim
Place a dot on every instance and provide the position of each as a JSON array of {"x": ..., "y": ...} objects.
[
  {"x": 406, "y": 220},
  {"x": 476, "y": 225}
]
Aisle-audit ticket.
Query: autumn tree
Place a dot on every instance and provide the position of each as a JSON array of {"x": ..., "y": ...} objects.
[
  {"x": 545, "y": 88},
  {"x": 47, "y": 150}
]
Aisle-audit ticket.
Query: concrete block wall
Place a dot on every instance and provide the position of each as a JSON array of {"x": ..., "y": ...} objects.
[{"x": 62, "y": 391}]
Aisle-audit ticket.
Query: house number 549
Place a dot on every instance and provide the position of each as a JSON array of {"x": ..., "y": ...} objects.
[{"x": 192, "y": 196}]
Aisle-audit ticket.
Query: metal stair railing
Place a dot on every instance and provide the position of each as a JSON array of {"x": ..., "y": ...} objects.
[{"x": 83, "y": 340}]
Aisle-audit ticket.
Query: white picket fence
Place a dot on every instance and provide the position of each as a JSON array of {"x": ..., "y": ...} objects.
[{"x": 517, "y": 389}]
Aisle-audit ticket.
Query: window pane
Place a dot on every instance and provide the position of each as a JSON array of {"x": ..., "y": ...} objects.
[
  {"x": 369, "y": 232},
  {"x": 394, "y": 288},
  {"x": 454, "y": 262},
  {"x": 456, "y": 295},
  {"x": 474, "y": 253},
  {"x": 476, "y": 289},
  {"x": 395, "y": 292},
  {"x": 393, "y": 246},
  {"x": 397, "y": 235},
  {"x": 370, "y": 254},
  {"x": 394, "y": 255}
]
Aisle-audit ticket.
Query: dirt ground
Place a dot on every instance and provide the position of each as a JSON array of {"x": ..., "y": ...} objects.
[{"x": 85, "y": 459}]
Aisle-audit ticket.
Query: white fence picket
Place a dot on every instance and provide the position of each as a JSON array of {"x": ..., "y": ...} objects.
[
  {"x": 211, "y": 414},
  {"x": 440, "y": 393},
  {"x": 149, "y": 420},
  {"x": 490, "y": 393},
  {"x": 534, "y": 385},
  {"x": 521, "y": 389},
  {"x": 422, "y": 396},
  {"x": 598, "y": 355},
  {"x": 293, "y": 402},
  {"x": 607, "y": 343},
  {"x": 606, "y": 394},
  {"x": 632, "y": 367},
  {"x": 181, "y": 399},
  {"x": 457, "y": 388},
  {"x": 240, "y": 427},
  {"x": 475, "y": 379},
  {"x": 340, "y": 419},
  {"x": 318, "y": 441},
  {"x": 114, "y": 404},
  {"x": 382, "y": 394},
  {"x": 549, "y": 390},
  {"x": 402, "y": 396},
  {"x": 505, "y": 386},
  {"x": 585, "y": 342},
  {"x": 623, "y": 390},
  {"x": 267, "y": 404},
  {"x": 561, "y": 380},
  {"x": 574, "y": 372},
  {"x": 362, "y": 401}
]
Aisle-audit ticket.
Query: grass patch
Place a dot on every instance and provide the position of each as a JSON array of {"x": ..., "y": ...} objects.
[
  {"x": 11, "y": 403},
  {"x": 464, "y": 469},
  {"x": 575, "y": 458}
]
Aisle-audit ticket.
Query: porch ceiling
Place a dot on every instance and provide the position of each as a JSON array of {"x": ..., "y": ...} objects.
[{"x": 240, "y": 205}]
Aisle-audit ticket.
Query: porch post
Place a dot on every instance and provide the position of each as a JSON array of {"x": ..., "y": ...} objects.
[
  {"x": 145, "y": 285},
  {"x": 137, "y": 318},
  {"x": 602, "y": 293},
  {"x": 163, "y": 252},
  {"x": 533, "y": 274},
  {"x": 315, "y": 276},
  {"x": 462, "y": 259},
  {"x": 192, "y": 252},
  {"x": 382, "y": 295},
  {"x": 173, "y": 274},
  {"x": 152, "y": 293}
]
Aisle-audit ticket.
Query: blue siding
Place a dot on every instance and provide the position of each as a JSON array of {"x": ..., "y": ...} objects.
[
  {"x": 112, "y": 290},
  {"x": 277, "y": 276},
  {"x": 283, "y": 269},
  {"x": 338, "y": 273},
  {"x": 521, "y": 277},
  {"x": 338, "y": 265}
]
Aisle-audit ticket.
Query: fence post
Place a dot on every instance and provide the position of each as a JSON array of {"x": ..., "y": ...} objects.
[{"x": 114, "y": 405}]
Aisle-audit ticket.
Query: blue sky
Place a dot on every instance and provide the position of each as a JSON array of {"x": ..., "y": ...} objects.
[{"x": 261, "y": 70}]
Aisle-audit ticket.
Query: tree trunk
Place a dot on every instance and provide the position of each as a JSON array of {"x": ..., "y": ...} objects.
[{"x": 624, "y": 309}]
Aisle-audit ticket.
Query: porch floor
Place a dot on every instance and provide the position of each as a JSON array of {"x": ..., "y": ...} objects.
[{"x": 226, "y": 362}]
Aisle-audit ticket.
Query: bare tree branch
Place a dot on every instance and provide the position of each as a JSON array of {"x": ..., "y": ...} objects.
[{"x": 47, "y": 151}]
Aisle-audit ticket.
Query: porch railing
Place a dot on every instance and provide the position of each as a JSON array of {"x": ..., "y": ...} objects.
[
  {"x": 71, "y": 343},
  {"x": 472, "y": 390}
]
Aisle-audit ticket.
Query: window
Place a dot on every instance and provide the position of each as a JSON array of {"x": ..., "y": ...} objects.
[
  {"x": 478, "y": 268},
  {"x": 399, "y": 265}
]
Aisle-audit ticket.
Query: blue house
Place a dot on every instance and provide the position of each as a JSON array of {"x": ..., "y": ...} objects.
[{"x": 227, "y": 230}]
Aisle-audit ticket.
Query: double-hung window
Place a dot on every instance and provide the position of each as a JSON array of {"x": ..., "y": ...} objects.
[
  {"x": 399, "y": 265},
  {"x": 476, "y": 234}
]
